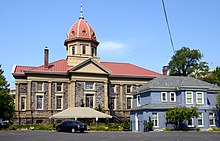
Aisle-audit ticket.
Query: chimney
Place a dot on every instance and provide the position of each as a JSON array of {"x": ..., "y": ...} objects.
[
  {"x": 165, "y": 70},
  {"x": 46, "y": 58}
]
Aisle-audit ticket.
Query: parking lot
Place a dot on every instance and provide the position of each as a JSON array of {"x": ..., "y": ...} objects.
[{"x": 107, "y": 136}]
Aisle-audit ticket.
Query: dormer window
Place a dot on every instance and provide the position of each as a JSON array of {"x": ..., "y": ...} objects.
[
  {"x": 73, "y": 32},
  {"x": 84, "y": 32}
]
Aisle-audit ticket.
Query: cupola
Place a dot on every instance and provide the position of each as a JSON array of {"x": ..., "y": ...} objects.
[{"x": 81, "y": 42}]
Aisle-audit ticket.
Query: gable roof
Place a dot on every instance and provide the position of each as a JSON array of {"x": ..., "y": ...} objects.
[
  {"x": 177, "y": 82},
  {"x": 128, "y": 69},
  {"x": 114, "y": 68},
  {"x": 90, "y": 61}
]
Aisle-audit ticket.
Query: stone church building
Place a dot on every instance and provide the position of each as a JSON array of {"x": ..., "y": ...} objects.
[{"x": 80, "y": 79}]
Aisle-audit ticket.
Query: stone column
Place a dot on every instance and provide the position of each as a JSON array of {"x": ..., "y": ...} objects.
[
  {"x": 49, "y": 96},
  {"x": 17, "y": 97},
  {"x": 28, "y": 95},
  {"x": 121, "y": 96},
  {"x": 106, "y": 95}
]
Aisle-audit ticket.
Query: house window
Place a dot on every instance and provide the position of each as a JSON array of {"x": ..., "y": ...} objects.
[
  {"x": 89, "y": 85},
  {"x": 89, "y": 100},
  {"x": 40, "y": 100},
  {"x": 59, "y": 87},
  {"x": 200, "y": 98},
  {"x": 73, "y": 50},
  {"x": 23, "y": 103},
  {"x": 59, "y": 102},
  {"x": 191, "y": 123},
  {"x": 112, "y": 103},
  {"x": 211, "y": 119},
  {"x": 83, "y": 49},
  {"x": 164, "y": 96},
  {"x": 138, "y": 100},
  {"x": 172, "y": 97},
  {"x": 155, "y": 119},
  {"x": 189, "y": 97},
  {"x": 129, "y": 99},
  {"x": 39, "y": 86},
  {"x": 128, "y": 88},
  {"x": 200, "y": 120},
  {"x": 113, "y": 87}
]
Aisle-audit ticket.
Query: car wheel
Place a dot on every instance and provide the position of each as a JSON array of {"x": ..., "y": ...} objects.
[{"x": 73, "y": 130}]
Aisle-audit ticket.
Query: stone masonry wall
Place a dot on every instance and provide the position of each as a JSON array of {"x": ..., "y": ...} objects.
[
  {"x": 79, "y": 93},
  {"x": 65, "y": 97},
  {"x": 99, "y": 94},
  {"x": 22, "y": 91},
  {"x": 124, "y": 90},
  {"x": 33, "y": 90},
  {"x": 53, "y": 95}
]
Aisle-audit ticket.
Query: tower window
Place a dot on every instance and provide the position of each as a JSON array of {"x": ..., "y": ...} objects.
[
  {"x": 73, "y": 50},
  {"x": 83, "y": 49},
  {"x": 93, "y": 51}
]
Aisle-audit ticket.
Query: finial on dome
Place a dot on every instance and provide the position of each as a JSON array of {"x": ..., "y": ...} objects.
[{"x": 81, "y": 13}]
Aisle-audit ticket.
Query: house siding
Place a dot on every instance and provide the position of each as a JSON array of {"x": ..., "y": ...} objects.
[{"x": 154, "y": 97}]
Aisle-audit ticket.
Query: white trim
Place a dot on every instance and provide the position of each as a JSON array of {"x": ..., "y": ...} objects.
[
  {"x": 56, "y": 95},
  {"x": 138, "y": 103},
  {"x": 191, "y": 96},
  {"x": 156, "y": 119},
  {"x": 174, "y": 96},
  {"x": 136, "y": 122},
  {"x": 61, "y": 87},
  {"x": 213, "y": 114},
  {"x": 197, "y": 97},
  {"x": 127, "y": 101},
  {"x": 36, "y": 95},
  {"x": 161, "y": 96},
  {"x": 94, "y": 98},
  {"x": 201, "y": 119},
  {"x": 192, "y": 119},
  {"x": 41, "y": 88}
]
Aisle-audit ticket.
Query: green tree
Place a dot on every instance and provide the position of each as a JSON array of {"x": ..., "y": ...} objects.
[
  {"x": 187, "y": 62},
  {"x": 213, "y": 77},
  {"x": 6, "y": 100},
  {"x": 180, "y": 114}
]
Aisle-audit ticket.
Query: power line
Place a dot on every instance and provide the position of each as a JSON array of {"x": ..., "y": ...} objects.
[{"x": 165, "y": 13}]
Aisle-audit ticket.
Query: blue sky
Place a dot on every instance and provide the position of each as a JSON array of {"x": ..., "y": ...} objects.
[{"x": 128, "y": 31}]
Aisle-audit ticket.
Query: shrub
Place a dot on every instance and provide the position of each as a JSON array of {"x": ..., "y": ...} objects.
[
  {"x": 126, "y": 125},
  {"x": 197, "y": 129},
  {"x": 32, "y": 127},
  {"x": 166, "y": 129},
  {"x": 149, "y": 125}
]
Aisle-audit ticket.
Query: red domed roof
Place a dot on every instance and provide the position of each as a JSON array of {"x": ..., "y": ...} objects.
[{"x": 81, "y": 30}]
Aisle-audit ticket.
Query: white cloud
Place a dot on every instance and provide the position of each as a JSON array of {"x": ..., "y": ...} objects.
[{"x": 111, "y": 46}]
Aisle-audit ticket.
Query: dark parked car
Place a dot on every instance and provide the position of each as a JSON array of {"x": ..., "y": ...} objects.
[{"x": 71, "y": 126}]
